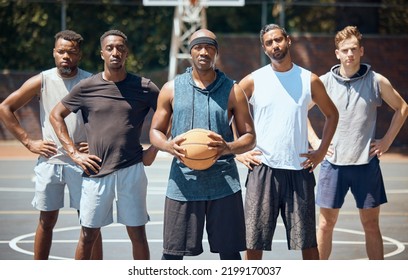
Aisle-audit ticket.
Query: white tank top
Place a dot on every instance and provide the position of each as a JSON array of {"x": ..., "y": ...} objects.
[
  {"x": 280, "y": 104},
  {"x": 53, "y": 89}
]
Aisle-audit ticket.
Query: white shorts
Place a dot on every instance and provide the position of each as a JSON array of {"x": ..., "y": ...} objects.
[
  {"x": 127, "y": 186},
  {"x": 50, "y": 183}
]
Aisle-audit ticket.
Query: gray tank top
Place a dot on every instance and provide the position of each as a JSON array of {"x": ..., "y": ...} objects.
[
  {"x": 53, "y": 89},
  {"x": 357, "y": 100}
]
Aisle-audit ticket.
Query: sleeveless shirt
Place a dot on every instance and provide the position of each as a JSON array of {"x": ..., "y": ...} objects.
[
  {"x": 357, "y": 99},
  {"x": 53, "y": 89},
  {"x": 208, "y": 109},
  {"x": 280, "y": 104}
]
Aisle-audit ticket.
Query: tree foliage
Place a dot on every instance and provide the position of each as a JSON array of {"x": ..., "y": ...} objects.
[{"x": 28, "y": 27}]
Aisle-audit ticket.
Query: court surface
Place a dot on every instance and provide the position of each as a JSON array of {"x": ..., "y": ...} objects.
[{"x": 18, "y": 219}]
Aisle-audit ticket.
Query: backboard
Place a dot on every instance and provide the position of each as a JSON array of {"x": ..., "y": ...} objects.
[{"x": 205, "y": 3}]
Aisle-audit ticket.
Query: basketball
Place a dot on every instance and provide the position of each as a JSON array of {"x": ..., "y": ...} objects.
[{"x": 198, "y": 156}]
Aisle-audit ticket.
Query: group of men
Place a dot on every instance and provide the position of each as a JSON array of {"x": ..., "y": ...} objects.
[{"x": 92, "y": 124}]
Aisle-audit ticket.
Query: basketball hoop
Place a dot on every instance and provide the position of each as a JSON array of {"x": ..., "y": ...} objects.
[{"x": 194, "y": 2}]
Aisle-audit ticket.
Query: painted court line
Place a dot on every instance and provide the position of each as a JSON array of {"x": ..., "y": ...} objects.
[{"x": 400, "y": 246}]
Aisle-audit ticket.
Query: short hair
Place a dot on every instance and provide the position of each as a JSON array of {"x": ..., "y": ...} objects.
[
  {"x": 69, "y": 35},
  {"x": 270, "y": 27},
  {"x": 113, "y": 32},
  {"x": 346, "y": 33}
]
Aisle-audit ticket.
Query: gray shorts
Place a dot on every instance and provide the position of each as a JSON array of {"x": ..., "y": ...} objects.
[
  {"x": 364, "y": 181},
  {"x": 127, "y": 186},
  {"x": 290, "y": 192},
  {"x": 50, "y": 183},
  {"x": 184, "y": 226}
]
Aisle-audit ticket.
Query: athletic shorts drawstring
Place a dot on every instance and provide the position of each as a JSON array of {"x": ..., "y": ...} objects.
[
  {"x": 116, "y": 186},
  {"x": 60, "y": 172}
]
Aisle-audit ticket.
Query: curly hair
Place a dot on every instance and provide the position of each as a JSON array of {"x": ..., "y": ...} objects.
[{"x": 69, "y": 35}]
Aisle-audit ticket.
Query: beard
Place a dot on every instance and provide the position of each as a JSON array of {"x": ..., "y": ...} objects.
[
  {"x": 281, "y": 54},
  {"x": 65, "y": 70}
]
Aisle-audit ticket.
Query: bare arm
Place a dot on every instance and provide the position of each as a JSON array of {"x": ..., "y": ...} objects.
[
  {"x": 84, "y": 160},
  {"x": 247, "y": 85},
  {"x": 248, "y": 158},
  {"x": 329, "y": 110},
  {"x": 149, "y": 155},
  {"x": 398, "y": 104},
  {"x": 15, "y": 101},
  {"x": 313, "y": 138},
  {"x": 244, "y": 124},
  {"x": 161, "y": 123}
]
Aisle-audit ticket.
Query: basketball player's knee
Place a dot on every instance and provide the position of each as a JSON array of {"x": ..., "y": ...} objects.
[
  {"x": 371, "y": 225},
  {"x": 327, "y": 224}
]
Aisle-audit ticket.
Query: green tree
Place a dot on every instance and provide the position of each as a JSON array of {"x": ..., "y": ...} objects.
[
  {"x": 25, "y": 35},
  {"x": 27, "y": 27},
  {"x": 27, "y": 30}
]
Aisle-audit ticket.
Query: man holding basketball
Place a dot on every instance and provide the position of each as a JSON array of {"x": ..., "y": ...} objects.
[{"x": 203, "y": 97}]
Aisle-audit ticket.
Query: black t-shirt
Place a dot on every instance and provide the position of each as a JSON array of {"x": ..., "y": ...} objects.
[{"x": 113, "y": 114}]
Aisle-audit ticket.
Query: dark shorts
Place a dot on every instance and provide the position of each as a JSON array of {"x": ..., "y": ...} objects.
[
  {"x": 184, "y": 226},
  {"x": 271, "y": 191},
  {"x": 365, "y": 182}
]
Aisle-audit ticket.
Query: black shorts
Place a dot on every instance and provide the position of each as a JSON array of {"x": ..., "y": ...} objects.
[
  {"x": 184, "y": 226},
  {"x": 290, "y": 192}
]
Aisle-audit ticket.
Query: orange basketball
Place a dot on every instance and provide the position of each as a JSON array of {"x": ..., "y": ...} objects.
[{"x": 198, "y": 155}]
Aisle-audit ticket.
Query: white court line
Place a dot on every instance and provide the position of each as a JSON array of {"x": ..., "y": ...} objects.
[
  {"x": 106, "y": 240},
  {"x": 62, "y": 212},
  {"x": 32, "y": 176},
  {"x": 29, "y": 176},
  {"x": 400, "y": 246},
  {"x": 396, "y": 191},
  {"x": 162, "y": 190},
  {"x": 20, "y": 239},
  {"x": 150, "y": 190}
]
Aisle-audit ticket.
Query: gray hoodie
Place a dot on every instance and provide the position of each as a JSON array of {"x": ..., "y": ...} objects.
[{"x": 357, "y": 99}]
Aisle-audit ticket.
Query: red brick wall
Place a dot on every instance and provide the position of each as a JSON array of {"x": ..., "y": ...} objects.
[{"x": 241, "y": 54}]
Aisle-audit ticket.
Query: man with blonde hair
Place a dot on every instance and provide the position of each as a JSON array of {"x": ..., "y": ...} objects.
[{"x": 352, "y": 161}]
